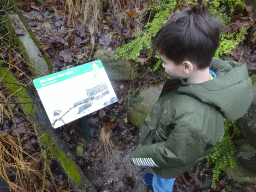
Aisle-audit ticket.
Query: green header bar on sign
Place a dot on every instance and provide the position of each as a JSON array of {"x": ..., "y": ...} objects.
[{"x": 66, "y": 74}]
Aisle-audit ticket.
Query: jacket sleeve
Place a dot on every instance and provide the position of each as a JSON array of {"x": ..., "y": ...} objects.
[{"x": 184, "y": 145}]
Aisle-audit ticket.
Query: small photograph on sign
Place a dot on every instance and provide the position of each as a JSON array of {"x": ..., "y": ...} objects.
[{"x": 73, "y": 93}]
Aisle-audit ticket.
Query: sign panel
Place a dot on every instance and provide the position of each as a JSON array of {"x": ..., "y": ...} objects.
[{"x": 73, "y": 93}]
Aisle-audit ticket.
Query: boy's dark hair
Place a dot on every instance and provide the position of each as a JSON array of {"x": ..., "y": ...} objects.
[{"x": 192, "y": 35}]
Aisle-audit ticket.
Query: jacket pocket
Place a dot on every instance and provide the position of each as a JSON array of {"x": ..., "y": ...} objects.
[
  {"x": 163, "y": 132},
  {"x": 149, "y": 139}
]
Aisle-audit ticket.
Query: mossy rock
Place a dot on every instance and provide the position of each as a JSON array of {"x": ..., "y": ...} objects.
[
  {"x": 19, "y": 93},
  {"x": 246, "y": 155},
  {"x": 38, "y": 63},
  {"x": 253, "y": 78},
  {"x": 247, "y": 123},
  {"x": 69, "y": 167},
  {"x": 241, "y": 175},
  {"x": 141, "y": 105},
  {"x": 116, "y": 69},
  {"x": 246, "y": 163}
]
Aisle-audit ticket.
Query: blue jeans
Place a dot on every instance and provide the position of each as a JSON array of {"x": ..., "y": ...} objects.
[{"x": 162, "y": 185}]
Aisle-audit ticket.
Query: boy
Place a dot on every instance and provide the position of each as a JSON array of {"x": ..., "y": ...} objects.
[{"x": 186, "y": 122}]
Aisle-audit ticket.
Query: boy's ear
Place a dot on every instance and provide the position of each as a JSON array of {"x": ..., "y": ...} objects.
[{"x": 188, "y": 65}]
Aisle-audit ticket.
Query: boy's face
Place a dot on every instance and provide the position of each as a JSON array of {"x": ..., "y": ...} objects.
[{"x": 171, "y": 69}]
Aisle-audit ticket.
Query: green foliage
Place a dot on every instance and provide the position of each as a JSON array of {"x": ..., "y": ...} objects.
[
  {"x": 224, "y": 18},
  {"x": 232, "y": 4},
  {"x": 144, "y": 37},
  {"x": 223, "y": 154},
  {"x": 229, "y": 42},
  {"x": 66, "y": 163},
  {"x": 166, "y": 4}
]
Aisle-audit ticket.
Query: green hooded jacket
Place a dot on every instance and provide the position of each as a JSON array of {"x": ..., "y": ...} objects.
[{"x": 187, "y": 123}]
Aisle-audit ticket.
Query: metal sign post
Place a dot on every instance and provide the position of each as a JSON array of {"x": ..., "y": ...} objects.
[{"x": 86, "y": 129}]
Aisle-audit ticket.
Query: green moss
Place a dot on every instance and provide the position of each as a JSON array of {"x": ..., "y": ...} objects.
[
  {"x": 47, "y": 60},
  {"x": 15, "y": 40},
  {"x": 70, "y": 168},
  {"x": 66, "y": 163},
  {"x": 253, "y": 78},
  {"x": 21, "y": 96},
  {"x": 138, "y": 115}
]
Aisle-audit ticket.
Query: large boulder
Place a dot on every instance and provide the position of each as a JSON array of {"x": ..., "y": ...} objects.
[
  {"x": 141, "y": 105},
  {"x": 241, "y": 175},
  {"x": 247, "y": 123},
  {"x": 116, "y": 69},
  {"x": 246, "y": 148},
  {"x": 246, "y": 163},
  {"x": 246, "y": 155},
  {"x": 38, "y": 63}
]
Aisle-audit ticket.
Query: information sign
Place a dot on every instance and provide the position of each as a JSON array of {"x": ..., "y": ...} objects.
[{"x": 73, "y": 93}]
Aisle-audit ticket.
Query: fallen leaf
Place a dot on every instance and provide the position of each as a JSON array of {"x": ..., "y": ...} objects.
[
  {"x": 80, "y": 57},
  {"x": 3, "y": 134},
  {"x": 61, "y": 12},
  {"x": 6, "y": 112},
  {"x": 125, "y": 120},
  {"x": 150, "y": 81},
  {"x": 34, "y": 7},
  {"x": 218, "y": 186},
  {"x": 17, "y": 74},
  {"x": 238, "y": 24},
  {"x": 248, "y": 9},
  {"x": 48, "y": 185},
  {"x": 21, "y": 129},
  {"x": 132, "y": 13},
  {"x": 118, "y": 144},
  {"x": 253, "y": 37},
  {"x": 251, "y": 188},
  {"x": 96, "y": 159},
  {"x": 142, "y": 61},
  {"x": 28, "y": 146},
  {"x": 18, "y": 31},
  {"x": 25, "y": 6},
  {"x": 121, "y": 86},
  {"x": 222, "y": 182},
  {"x": 45, "y": 47},
  {"x": 106, "y": 27}
]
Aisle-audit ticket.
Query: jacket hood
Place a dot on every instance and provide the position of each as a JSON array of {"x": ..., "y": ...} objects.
[{"x": 230, "y": 92}]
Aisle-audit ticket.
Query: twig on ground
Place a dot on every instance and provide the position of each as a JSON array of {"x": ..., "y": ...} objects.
[
  {"x": 13, "y": 119},
  {"x": 10, "y": 102},
  {"x": 50, "y": 172},
  {"x": 19, "y": 84}
]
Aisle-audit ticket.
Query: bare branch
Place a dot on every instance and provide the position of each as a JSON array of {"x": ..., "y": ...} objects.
[{"x": 10, "y": 102}]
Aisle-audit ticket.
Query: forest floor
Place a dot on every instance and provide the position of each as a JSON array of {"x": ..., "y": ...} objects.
[{"x": 68, "y": 46}]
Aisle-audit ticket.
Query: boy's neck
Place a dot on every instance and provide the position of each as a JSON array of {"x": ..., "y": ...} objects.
[{"x": 199, "y": 76}]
